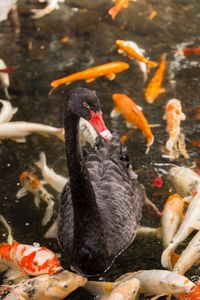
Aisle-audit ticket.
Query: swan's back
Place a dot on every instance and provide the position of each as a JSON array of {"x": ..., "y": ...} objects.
[{"x": 119, "y": 198}]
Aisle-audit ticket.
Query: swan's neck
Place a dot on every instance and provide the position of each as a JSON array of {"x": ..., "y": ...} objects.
[{"x": 87, "y": 220}]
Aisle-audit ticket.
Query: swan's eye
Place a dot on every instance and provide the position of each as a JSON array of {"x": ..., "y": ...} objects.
[{"x": 86, "y": 105}]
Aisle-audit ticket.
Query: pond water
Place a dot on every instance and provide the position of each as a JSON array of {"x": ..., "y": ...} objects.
[{"x": 42, "y": 56}]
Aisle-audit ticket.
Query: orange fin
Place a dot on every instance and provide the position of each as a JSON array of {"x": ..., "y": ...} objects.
[
  {"x": 89, "y": 80},
  {"x": 111, "y": 76},
  {"x": 174, "y": 258},
  {"x": 162, "y": 90}
]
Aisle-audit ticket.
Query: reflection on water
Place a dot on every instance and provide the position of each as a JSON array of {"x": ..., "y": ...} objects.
[{"x": 44, "y": 53}]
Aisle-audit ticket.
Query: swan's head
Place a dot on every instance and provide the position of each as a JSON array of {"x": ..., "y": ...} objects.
[{"x": 85, "y": 103}]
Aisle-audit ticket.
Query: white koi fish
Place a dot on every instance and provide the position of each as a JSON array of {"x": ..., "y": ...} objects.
[
  {"x": 17, "y": 131},
  {"x": 162, "y": 282},
  {"x": 51, "y": 6},
  {"x": 171, "y": 218},
  {"x": 189, "y": 256},
  {"x": 47, "y": 287},
  {"x": 190, "y": 222},
  {"x": 184, "y": 180},
  {"x": 7, "y": 111},
  {"x": 56, "y": 181},
  {"x": 5, "y": 7},
  {"x": 122, "y": 290},
  {"x": 4, "y": 79},
  {"x": 30, "y": 183}
]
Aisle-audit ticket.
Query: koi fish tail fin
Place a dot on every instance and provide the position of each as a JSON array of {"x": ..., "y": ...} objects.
[
  {"x": 60, "y": 134},
  {"x": 7, "y": 226},
  {"x": 113, "y": 12},
  {"x": 163, "y": 56},
  {"x": 166, "y": 257},
  {"x": 6, "y": 93},
  {"x": 48, "y": 213},
  {"x": 152, "y": 64},
  {"x": 42, "y": 162},
  {"x": 150, "y": 140},
  {"x": 98, "y": 288}
]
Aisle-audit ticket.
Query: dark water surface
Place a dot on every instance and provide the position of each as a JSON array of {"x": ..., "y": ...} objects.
[{"x": 92, "y": 36}]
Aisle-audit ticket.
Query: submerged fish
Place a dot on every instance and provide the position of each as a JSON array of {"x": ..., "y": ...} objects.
[
  {"x": 109, "y": 70},
  {"x": 171, "y": 218},
  {"x": 133, "y": 115},
  {"x": 189, "y": 51},
  {"x": 51, "y": 6},
  {"x": 122, "y": 290},
  {"x": 173, "y": 116},
  {"x": 17, "y": 131},
  {"x": 27, "y": 259},
  {"x": 4, "y": 79},
  {"x": 7, "y": 111},
  {"x": 30, "y": 183},
  {"x": 47, "y": 287},
  {"x": 184, "y": 180},
  {"x": 134, "y": 51},
  {"x": 55, "y": 180},
  {"x": 154, "y": 87},
  {"x": 191, "y": 221},
  {"x": 189, "y": 256},
  {"x": 119, "y": 4}
]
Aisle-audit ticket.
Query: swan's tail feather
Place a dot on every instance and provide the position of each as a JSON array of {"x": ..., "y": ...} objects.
[{"x": 7, "y": 226}]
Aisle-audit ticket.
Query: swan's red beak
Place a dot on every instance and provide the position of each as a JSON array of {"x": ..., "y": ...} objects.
[{"x": 98, "y": 123}]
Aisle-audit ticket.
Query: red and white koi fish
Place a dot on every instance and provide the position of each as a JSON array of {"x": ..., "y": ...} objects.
[
  {"x": 188, "y": 51},
  {"x": 4, "y": 79},
  {"x": 31, "y": 260},
  {"x": 125, "y": 290},
  {"x": 30, "y": 183},
  {"x": 135, "y": 52},
  {"x": 154, "y": 87},
  {"x": 184, "y": 180},
  {"x": 171, "y": 218},
  {"x": 189, "y": 256},
  {"x": 17, "y": 131},
  {"x": 119, "y": 4},
  {"x": 109, "y": 70},
  {"x": 173, "y": 116},
  {"x": 133, "y": 115},
  {"x": 55, "y": 180},
  {"x": 47, "y": 287},
  {"x": 7, "y": 111},
  {"x": 191, "y": 222}
]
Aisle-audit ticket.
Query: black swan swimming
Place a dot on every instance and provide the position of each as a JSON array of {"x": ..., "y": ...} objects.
[{"x": 101, "y": 205}]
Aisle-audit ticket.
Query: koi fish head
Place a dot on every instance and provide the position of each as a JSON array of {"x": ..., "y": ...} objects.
[
  {"x": 177, "y": 283},
  {"x": 85, "y": 103},
  {"x": 174, "y": 104},
  {"x": 24, "y": 176},
  {"x": 38, "y": 261}
]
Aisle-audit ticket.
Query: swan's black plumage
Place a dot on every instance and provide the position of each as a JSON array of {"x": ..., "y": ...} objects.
[{"x": 101, "y": 206}]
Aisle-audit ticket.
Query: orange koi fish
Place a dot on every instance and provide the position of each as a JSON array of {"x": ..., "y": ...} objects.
[
  {"x": 133, "y": 51},
  {"x": 30, "y": 183},
  {"x": 27, "y": 259},
  {"x": 174, "y": 116},
  {"x": 133, "y": 115},
  {"x": 109, "y": 70},
  {"x": 113, "y": 11},
  {"x": 194, "y": 293},
  {"x": 154, "y": 87}
]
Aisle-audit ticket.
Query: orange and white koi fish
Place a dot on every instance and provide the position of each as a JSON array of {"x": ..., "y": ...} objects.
[
  {"x": 123, "y": 290},
  {"x": 4, "y": 79},
  {"x": 171, "y": 218},
  {"x": 55, "y": 180},
  {"x": 133, "y": 115},
  {"x": 119, "y": 4},
  {"x": 31, "y": 260},
  {"x": 7, "y": 111},
  {"x": 47, "y": 287},
  {"x": 174, "y": 116},
  {"x": 189, "y": 256},
  {"x": 135, "y": 52},
  {"x": 184, "y": 180},
  {"x": 191, "y": 222},
  {"x": 51, "y": 6},
  {"x": 154, "y": 87},
  {"x": 17, "y": 131},
  {"x": 109, "y": 70},
  {"x": 30, "y": 183}
]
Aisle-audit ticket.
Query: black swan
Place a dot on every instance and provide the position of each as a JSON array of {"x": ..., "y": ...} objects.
[{"x": 101, "y": 205}]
